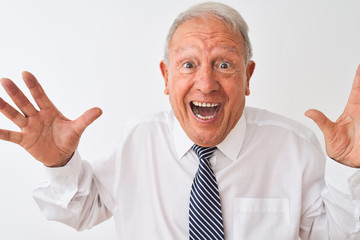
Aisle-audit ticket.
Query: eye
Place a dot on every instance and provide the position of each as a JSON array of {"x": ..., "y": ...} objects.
[
  {"x": 188, "y": 65},
  {"x": 224, "y": 65}
]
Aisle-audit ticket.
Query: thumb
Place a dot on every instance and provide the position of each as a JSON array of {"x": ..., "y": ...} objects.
[
  {"x": 88, "y": 117},
  {"x": 325, "y": 125}
]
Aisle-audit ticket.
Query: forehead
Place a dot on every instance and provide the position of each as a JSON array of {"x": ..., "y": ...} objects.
[{"x": 208, "y": 32}]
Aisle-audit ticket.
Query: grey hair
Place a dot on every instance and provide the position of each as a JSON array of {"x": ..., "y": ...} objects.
[{"x": 221, "y": 11}]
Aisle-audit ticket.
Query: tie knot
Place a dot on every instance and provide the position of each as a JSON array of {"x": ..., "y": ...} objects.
[{"x": 203, "y": 152}]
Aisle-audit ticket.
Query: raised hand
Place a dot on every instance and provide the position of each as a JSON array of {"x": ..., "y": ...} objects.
[
  {"x": 46, "y": 134},
  {"x": 342, "y": 138}
]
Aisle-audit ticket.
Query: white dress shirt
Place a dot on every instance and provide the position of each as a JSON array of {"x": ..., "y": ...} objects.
[{"x": 270, "y": 172}]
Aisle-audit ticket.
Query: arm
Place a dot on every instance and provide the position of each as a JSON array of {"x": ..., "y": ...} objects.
[
  {"x": 72, "y": 194},
  {"x": 78, "y": 194},
  {"x": 341, "y": 196}
]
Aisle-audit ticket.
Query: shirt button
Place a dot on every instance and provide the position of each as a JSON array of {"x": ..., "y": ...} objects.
[{"x": 355, "y": 183}]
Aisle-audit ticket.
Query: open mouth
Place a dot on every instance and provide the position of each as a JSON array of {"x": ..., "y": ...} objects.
[{"x": 205, "y": 111}]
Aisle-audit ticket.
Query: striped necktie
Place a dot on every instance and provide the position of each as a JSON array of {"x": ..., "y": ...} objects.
[{"x": 205, "y": 220}]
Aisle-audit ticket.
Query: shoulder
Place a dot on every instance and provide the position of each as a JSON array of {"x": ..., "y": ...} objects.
[
  {"x": 156, "y": 123},
  {"x": 281, "y": 136},
  {"x": 263, "y": 119}
]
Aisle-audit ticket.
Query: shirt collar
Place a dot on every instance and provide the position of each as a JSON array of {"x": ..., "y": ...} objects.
[
  {"x": 182, "y": 142},
  {"x": 233, "y": 142},
  {"x": 230, "y": 146}
]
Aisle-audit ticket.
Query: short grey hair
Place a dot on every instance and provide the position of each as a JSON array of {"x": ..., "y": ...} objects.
[{"x": 221, "y": 11}]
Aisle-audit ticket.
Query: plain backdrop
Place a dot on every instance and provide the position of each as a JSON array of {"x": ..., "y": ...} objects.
[{"x": 106, "y": 53}]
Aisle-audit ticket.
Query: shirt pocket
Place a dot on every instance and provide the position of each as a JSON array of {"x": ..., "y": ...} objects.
[{"x": 261, "y": 218}]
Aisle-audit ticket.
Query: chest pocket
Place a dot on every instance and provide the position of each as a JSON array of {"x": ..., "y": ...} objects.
[{"x": 261, "y": 218}]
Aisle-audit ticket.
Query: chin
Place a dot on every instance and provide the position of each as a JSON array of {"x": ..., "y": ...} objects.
[{"x": 208, "y": 140}]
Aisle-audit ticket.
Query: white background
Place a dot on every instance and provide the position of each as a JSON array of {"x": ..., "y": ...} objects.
[{"x": 106, "y": 53}]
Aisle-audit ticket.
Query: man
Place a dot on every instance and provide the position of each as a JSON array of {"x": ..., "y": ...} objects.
[{"x": 265, "y": 180}]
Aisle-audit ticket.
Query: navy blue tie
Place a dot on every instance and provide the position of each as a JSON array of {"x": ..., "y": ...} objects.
[{"x": 205, "y": 217}]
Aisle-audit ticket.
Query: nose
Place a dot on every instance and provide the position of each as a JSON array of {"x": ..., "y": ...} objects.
[{"x": 206, "y": 80}]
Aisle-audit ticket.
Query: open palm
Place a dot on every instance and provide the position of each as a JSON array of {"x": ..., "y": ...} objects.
[
  {"x": 46, "y": 134},
  {"x": 342, "y": 138}
]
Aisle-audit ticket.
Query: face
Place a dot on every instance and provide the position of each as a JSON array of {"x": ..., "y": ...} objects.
[{"x": 207, "y": 79}]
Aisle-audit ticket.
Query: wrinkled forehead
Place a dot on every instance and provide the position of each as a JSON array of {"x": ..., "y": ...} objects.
[{"x": 210, "y": 31}]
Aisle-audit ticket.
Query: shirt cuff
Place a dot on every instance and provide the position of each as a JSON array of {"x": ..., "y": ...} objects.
[
  {"x": 61, "y": 184},
  {"x": 343, "y": 178},
  {"x": 66, "y": 176}
]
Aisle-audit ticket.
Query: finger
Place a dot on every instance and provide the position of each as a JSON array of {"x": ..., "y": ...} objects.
[
  {"x": 18, "y": 97},
  {"x": 325, "y": 125},
  {"x": 86, "y": 119},
  {"x": 354, "y": 97},
  {"x": 356, "y": 83},
  {"x": 10, "y": 136},
  {"x": 37, "y": 91},
  {"x": 12, "y": 114}
]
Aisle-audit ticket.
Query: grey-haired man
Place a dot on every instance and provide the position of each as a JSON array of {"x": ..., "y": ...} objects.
[{"x": 269, "y": 170}]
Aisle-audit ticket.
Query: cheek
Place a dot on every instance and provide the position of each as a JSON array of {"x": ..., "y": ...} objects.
[
  {"x": 235, "y": 92},
  {"x": 179, "y": 87},
  {"x": 234, "y": 88},
  {"x": 177, "y": 99}
]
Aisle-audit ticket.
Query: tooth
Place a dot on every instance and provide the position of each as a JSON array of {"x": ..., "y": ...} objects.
[
  {"x": 204, "y": 118},
  {"x": 203, "y": 104}
]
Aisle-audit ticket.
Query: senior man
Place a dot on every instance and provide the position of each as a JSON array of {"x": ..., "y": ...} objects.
[{"x": 209, "y": 169}]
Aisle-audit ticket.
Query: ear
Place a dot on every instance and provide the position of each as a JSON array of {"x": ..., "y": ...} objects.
[
  {"x": 249, "y": 72},
  {"x": 165, "y": 74}
]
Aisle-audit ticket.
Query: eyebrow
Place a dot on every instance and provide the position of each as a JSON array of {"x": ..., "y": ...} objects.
[
  {"x": 232, "y": 49},
  {"x": 228, "y": 48},
  {"x": 181, "y": 49}
]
